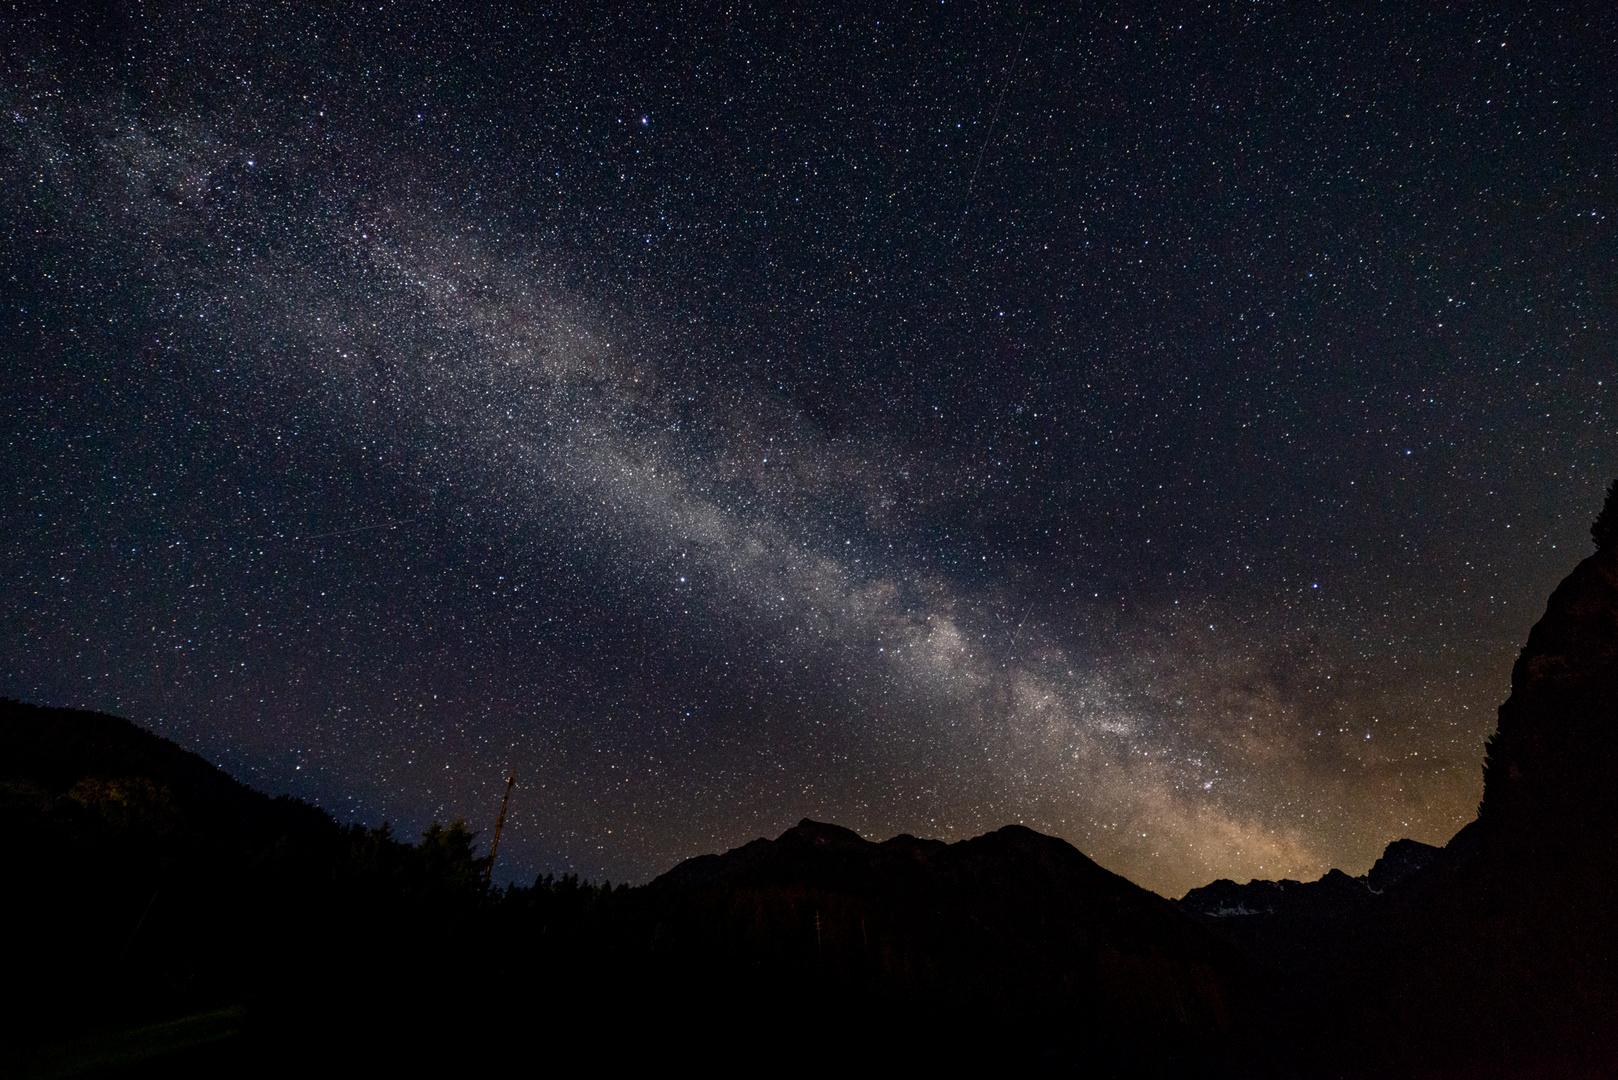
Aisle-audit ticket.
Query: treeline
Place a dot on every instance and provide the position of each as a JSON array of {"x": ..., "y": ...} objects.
[{"x": 149, "y": 886}]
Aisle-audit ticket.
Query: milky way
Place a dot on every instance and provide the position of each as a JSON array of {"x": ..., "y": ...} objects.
[{"x": 1160, "y": 435}]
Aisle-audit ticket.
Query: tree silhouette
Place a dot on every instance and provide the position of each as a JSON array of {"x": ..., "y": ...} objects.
[
  {"x": 1604, "y": 530},
  {"x": 449, "y": 860}
]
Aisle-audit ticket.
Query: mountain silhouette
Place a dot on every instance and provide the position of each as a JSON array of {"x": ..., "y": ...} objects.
[
  {"x": 179, "y": 921},
  {"x": 1550, "y": 764},
  {"x": 1012, "y": 931},
  {"x": 1501, "y": 957},
  {"x": 1311, "y": 904},
  {"x": 1496, "y": 955},
  {"x": 118, "y": 772}
]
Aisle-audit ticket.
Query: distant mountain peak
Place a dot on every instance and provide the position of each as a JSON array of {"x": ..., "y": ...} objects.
[
  {"x": 824, "y": 834},
  {"x": 1333, "y": 895}
]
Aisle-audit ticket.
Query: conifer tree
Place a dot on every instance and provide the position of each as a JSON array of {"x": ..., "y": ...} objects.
[{"x": 1604, "y": 530}]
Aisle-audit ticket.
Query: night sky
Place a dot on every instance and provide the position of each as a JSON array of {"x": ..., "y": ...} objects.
[{"x": 1161, "y": 432}]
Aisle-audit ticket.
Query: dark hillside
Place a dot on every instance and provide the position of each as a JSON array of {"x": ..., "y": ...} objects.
[
  {"x": 109, "y": 766},
  {"x": 144, "y": 885},
  {"x": 122, "y": 848}
]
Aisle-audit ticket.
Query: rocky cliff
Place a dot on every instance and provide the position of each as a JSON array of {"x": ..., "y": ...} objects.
[{"x": 1552, "y": 762}]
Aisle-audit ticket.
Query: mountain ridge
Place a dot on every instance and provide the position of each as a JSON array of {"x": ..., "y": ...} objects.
[{"x": 1493, "y": 956}]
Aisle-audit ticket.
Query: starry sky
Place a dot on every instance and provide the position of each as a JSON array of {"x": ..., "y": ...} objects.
[{"x": 1158, "y": 431}]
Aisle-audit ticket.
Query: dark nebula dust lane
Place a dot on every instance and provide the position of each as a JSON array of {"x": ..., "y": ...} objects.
[{"x": 1160, "y": 432}]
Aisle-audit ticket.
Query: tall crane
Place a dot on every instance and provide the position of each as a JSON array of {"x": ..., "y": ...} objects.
[{"x": 499, "y": 823}]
